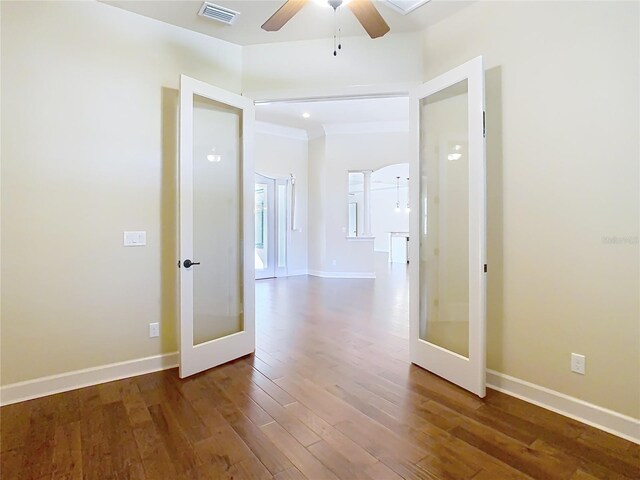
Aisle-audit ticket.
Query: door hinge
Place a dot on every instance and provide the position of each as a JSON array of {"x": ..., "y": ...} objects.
[
  {"x": 485, "y": 268},
  {"x": 484, "y": 124}
]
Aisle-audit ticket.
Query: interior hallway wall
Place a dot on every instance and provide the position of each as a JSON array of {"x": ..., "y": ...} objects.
[
  {"x": 563, "y": 145},
  {"x": 316, "y": 208},
  {"x": 89, "y": 125}
]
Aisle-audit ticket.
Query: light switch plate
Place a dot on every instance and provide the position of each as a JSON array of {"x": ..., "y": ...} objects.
[{"x": 134, "y": 239}]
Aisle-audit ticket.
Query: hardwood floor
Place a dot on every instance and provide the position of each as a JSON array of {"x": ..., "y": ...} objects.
[{"x": 329, "y": 394}]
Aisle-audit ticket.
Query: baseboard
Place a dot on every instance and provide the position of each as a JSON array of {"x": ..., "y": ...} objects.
[
  {"x": 40, "y": 387},
  {"x": 598, "y": 417},
  {"x": 318, "y": 273},
  {"x": 297, "y": 273}
]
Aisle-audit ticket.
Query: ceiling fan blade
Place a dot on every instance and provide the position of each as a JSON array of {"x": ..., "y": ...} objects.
[
  {"x": 283, "y": 15},
  {"x": 368, "y": 15}
]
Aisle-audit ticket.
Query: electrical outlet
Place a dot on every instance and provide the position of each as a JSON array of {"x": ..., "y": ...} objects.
[
  {"x": 154, "y": 330},
  {"x": 578, "y": 363},
  {"x": 334, "y": 263}
]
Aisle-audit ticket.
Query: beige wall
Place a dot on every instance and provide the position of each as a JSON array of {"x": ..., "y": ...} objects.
[
  {"x": 562, "y": 153},
  {"x": 88, "y": 151},
  {"x": 311, "y": 64},
  {"x": 277, "y": 156}
]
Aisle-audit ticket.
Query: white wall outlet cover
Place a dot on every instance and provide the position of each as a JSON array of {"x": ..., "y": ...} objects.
[
  {"x": 578, "y": 363},
  {"x": 154, "y": 330},
  {"x": 134, "y": 239}
]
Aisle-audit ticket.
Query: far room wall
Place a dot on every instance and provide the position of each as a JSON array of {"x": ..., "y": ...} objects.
[
  {"x": 336, "y": 155},
  {"x": 389, "y": 212}
]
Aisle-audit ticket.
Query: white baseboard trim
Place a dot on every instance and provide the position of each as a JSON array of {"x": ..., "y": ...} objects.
[
  {"x": 318, "y": 273},
  {"x": 598, "y": 417},
  {"x": 41, "y": 387},
  {"x": 297, "y": 273}
]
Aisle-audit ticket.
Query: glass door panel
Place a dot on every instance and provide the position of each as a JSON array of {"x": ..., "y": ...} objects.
[
  {"x": 444, "y": 240},
  {"x": 217, "y": 220}
]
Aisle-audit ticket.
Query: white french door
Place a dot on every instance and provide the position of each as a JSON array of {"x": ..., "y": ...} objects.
[
  {"x": 448, "y": 223},
  {"x": 217, "y": 322}
]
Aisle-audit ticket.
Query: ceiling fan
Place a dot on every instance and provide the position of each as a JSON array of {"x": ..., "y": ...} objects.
[{"x": 364, "y": 10}]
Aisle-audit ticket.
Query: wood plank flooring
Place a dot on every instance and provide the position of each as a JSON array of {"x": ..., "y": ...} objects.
[{"x": 329, "y": 394}]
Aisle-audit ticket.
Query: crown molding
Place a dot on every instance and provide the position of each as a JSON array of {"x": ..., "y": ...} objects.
[
  {"x": 401, "y": 126},
  {"x": 267, "y": 128}
]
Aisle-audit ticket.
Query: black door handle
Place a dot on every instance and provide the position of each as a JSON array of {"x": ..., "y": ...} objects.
[{"x": 188, "y": 263}]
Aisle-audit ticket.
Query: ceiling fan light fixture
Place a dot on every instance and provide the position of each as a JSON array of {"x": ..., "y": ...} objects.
[
  {"x": 335, "y": 4},
  {"x": 364, "y": 11}
]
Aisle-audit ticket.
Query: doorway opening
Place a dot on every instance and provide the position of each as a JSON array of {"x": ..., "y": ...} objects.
[
  {"x": 272, "y": 205},
  {"x": 345, "y": 155}
]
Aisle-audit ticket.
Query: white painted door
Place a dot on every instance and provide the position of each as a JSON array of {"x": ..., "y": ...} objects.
[
  {"x": 265, "y": 231},
  {"x": 217, "y": 322},
  {"x": 447, "y": 248}
]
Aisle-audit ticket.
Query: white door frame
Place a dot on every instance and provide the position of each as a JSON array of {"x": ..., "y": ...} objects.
[
  {"x": 468, "y": 373},
  {"x": 194, "y": 359}
]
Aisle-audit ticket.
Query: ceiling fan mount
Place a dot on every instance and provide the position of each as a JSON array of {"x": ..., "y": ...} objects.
[{"x": 364, "y": 10}]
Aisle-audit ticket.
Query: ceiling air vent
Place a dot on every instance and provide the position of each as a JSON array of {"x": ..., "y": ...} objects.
[{"x": 216, "y": 12}]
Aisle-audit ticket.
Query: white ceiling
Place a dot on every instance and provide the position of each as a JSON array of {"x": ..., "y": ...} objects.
[
  {"x": 335, "y": 112},
  {"x": 314, "y": 21}
]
